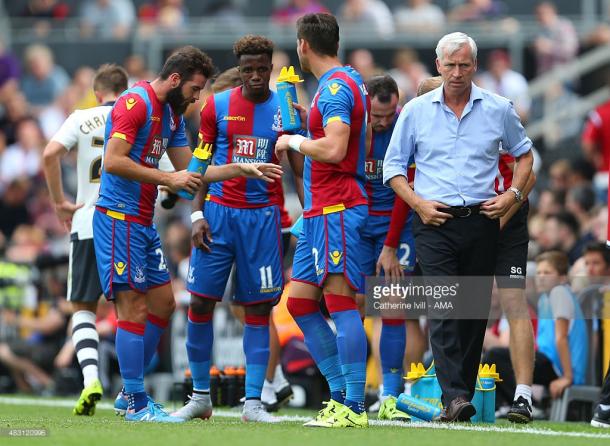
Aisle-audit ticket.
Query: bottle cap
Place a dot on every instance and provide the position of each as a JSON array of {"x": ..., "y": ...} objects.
[
  {"x": 187, "y": 373},
  {"x": 202, "y": 153},
  {"x": 488, "y": 371},
  {"x": 416, "y": 372},
  {"x": 240, "y": 371},
  {"x": 287, "y": 74},
  {"x": 214, "y": 371},
  {"x": 229, "y": 371}
]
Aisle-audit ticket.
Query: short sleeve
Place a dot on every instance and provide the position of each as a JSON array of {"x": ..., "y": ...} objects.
[
  {"x": 592, "y": 131},
  {"x": 401, "y": 148},
  {"x": 179, "y": 136},
  {"x": 208, "y": 129},
  {"x": 67, "y": 135},
  {"x": 514, "y": 139},
  {"x": 336, "y": 102},
  {"x": 128, "y": 116},
  {"x": 562, "y": 304}
]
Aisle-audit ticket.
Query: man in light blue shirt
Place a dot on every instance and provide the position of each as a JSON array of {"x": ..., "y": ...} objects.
[{"x": 455, "y": 134}]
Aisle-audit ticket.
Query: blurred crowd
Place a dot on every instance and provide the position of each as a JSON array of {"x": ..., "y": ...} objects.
[{"x": 568, "y": 208}]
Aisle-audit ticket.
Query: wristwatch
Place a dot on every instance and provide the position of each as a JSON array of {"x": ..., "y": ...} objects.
[{"x": 517, "y": 192}]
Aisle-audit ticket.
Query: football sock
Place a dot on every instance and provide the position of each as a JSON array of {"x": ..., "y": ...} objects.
[
  {"x": 199, "y": 341},
  {"x": 352, "y": 347},
  {"x": 256, "y": 349},
  {"x": 392, "y": 351},
  {"x": 85, "y": 340},
  {"x": 525, "y": 391},
  {"x": 320, "y": 341},
  {"x": 129, "y": 343},
  {"x": 155, "y": 326}
]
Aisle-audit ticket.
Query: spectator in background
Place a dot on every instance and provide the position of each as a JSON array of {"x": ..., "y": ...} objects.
[
  {"x": 82, "y": 83},
  {"x": 373, "y": 15},
  {"x": 550, "y": 202},
  {"x": 363, "y": 62},
  {"x": 408, "y": 73},
  {"x": 596, "y": 144},
  {"x": 293, "y": 9},
  {"x": 502, "y": 80},
  {"x": 597, "y": 262},
  {"x": 478, "y": 11},
  {"x": 13, "y": 206},
  {"x": 16, "y": 108},
  {"x": 562, "y": 232},
  {"x": 51, "y": 118},
  {"x": 419, "y": 15},
  {"x": 24, "y": 156},
  {"x": 107, "y": 19},
  {"x": 44, "y": 80},
  {"x": 45, "y": 13},
  {"x": 560, "y": 175},
  {"x": 136, "y": 68},
  {"x": 9, "y": 72},
  {"x": 169, "y": 15},
  {"x": 557, "y": 42},
  {"x": 580, "y": 201}
]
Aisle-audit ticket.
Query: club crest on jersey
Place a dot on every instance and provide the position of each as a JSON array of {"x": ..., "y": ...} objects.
[
  {"x": 191, "y": 276},
  {"x": 139, "y": 276},
  {"x": 120, "y": 267},
  {"x": 277, "y": 121},
  {"x": 251, "y": 149},
  {"x": 172, "y": 120},
  {"x": 129, "y": 103},
  {"x": 335, "y": 256},
  {"x": 334, "y": 88}
]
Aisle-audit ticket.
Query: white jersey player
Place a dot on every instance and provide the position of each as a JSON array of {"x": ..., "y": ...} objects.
[{"x": 84, "y": 131}]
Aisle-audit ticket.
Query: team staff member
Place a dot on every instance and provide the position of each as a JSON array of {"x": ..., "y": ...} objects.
[{"x": 454, "y": 133}]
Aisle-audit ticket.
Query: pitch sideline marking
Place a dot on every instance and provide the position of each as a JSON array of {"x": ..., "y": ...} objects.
[{"x": 295, "y": 418}]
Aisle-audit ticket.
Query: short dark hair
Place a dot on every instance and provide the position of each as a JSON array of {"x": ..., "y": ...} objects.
[
  {"x": 252, "y": 45},
  {"x": 583, "y": 195},
  {"x": 321, "y": 31},
  {"x": 382, "y": 87},
  {"x": 599, "y": 248},
  {"x": 568, "y": 220},
  {"x": 110, "y": 78},
  {"x": 227, "y": 79},
  {"x": 557, "y": 259},
  {"x": 187, "y": 61}
]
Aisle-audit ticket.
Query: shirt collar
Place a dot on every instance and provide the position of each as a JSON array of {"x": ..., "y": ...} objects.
[{"x": 475, "y": 95}]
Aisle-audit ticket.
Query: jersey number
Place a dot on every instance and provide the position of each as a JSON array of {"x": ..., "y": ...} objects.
[
  {"x": 266, "y": 277},
  {"x": 162, "y": 265},
  {"x": 95, "y": 170},
  {"x": 404, "y": 259}
]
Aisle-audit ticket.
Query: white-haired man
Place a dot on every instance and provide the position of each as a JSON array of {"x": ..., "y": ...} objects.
[{"x": 454, "y": 132}]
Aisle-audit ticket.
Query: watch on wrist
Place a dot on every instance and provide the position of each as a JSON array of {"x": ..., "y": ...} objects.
[{"x": 518, "y": 194}]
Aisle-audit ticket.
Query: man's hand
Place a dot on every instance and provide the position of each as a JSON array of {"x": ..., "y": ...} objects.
[
  {"x": 302, "y": 114},
  {"x": 189, "y": 181},
  {"x": 388, "y": 262},
  {"x": 65, "y": 211},
  {"x": 498, "y": 206},
  {"x": 558, "y": 385},
  {"x": 429, "y": 213},
  {"x": 282, "y": 146},
  {"x": 268, "y": 172},
  {"x": 201, "y": 235}
]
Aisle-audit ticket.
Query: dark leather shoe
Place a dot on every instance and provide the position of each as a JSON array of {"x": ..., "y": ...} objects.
[{"x": 458, "y": 410}]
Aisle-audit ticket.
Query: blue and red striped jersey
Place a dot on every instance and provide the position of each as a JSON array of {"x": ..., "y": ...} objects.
[
  {"x": 341, "y": 96},
  {"x": 242, "y": 132},
  {"x": 151, "y": 127}
]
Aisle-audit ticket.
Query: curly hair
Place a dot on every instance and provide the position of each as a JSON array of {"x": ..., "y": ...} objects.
[{"x": 253, "y": 45}]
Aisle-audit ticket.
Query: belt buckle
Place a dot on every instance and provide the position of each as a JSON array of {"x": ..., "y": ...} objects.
[{"x": 463, "y": 212}]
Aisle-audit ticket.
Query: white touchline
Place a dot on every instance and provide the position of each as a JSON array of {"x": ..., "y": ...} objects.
[{"x": 299, "y": 419}]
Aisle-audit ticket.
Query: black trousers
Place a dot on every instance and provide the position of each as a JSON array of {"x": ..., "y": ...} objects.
[
  {"x": 460, "y": 247},
  {"x": 544, "y": 373},
  {"x": 605, "y": 395}
]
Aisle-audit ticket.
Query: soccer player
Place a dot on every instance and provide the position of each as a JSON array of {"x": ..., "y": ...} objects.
[
  {"x": 241, "y": 125},
  {"x": 387, "y": 242},
  {"x": 327, "y": 257},
  {"x": 146, "y": 121},
  {"x": 84, "y": 129}
]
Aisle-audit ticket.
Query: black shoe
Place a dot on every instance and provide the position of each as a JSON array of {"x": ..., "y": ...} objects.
[
  {"x": 284, "y": 395},
  {"x": 520, "y": 411},
  {"x": 601, "y": 418}
]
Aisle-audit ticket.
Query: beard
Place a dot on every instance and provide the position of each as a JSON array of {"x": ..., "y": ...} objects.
[
  {"x": 304, "y": 65},
  {"x": 176, "y": 100}
]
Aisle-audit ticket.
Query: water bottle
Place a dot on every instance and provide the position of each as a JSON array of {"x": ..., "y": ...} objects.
[
  {"x": 287, "y": 95},
  {"x": 231, "y": 386},
  {"x": 478, "y": 400},
  {"x": 424, "y": 385},
  {"x": 417, "y": 408},
  {"x": 488, "y": 377},
  {"x": 199, "y": 163},
  {"x": 240, "y": 373},
  {"x": 215, "y": 387}
]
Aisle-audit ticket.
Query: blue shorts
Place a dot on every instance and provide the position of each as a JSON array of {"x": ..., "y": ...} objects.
[
  {"x": 129, "y": 255},
  {"x": 330, "y": 244},
  {"x": 251, "y": 238},
  {"x": 373, "y": 236}
]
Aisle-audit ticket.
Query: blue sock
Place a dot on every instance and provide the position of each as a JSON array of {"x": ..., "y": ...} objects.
[
  {"x": 352, "y": 348},
  {"x": 155, "y": 326},
  {"x": 256, "y": 349},
  {"x": 392, "y": 351},
  {"x": 129, "y": 344},
  {"x": 321, "y": 343},
  {"x": 199, "y": 340}
]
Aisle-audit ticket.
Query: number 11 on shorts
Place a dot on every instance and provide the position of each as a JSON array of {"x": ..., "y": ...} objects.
[{"x": 266, "y": 277}]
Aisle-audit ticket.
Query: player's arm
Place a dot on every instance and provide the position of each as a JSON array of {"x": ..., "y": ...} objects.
[
  {"x": 56, "y": 149},
  {"x": 529, "y": 185}
]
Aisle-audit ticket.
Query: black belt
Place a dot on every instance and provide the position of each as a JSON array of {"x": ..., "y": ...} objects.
[{"x": 462, "y": 211}]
